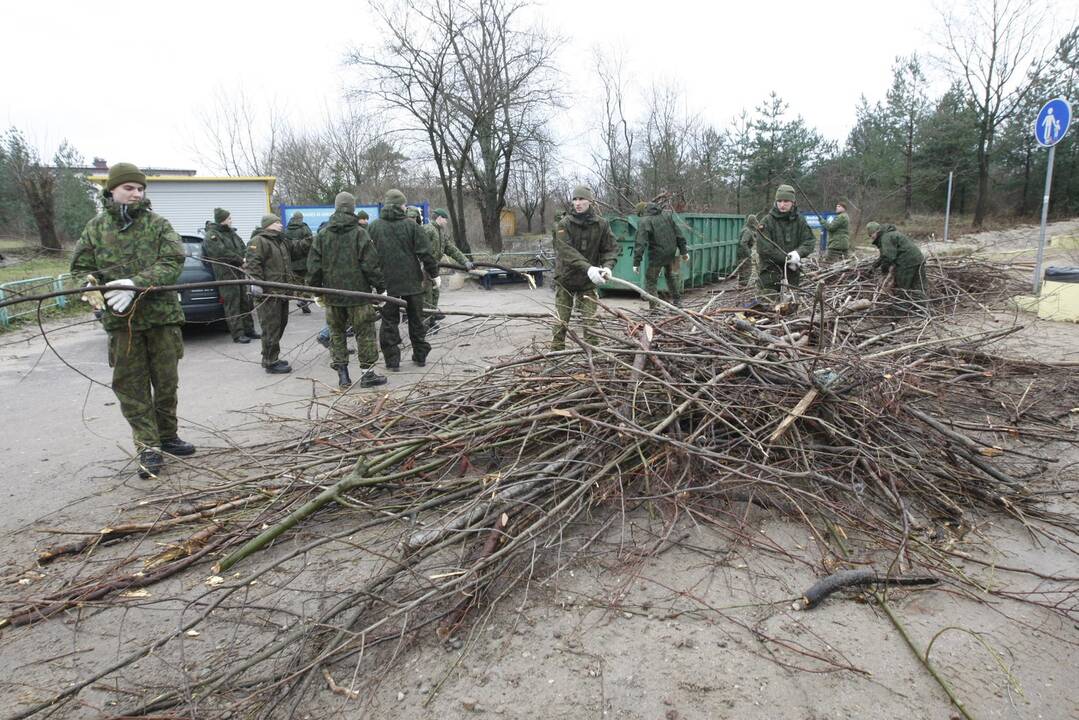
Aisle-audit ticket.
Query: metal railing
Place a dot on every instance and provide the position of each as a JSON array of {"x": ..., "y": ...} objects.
[{"x": 33, "y": 286}]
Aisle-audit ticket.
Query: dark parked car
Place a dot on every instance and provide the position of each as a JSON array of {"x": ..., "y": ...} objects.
[{"x": 199, "y": 304}]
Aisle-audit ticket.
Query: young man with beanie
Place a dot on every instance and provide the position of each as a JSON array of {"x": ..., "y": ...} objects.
[
  {"x": 785, "y": 240},
  {"x": 299, "y": 237},
  {"x": 406, "y": 262},
  {"x": 323, "y": 337},
  {"x": 343, "y": 257},
  {"x": 224, "y": 249},
  {"x": 441, "y": 240},
  {"x": 658, "y": 233},
  {"x": 585, "y": 254},
  {"x": 268, "y": 258},
  {"x": 838, "y": 229},
  {"x": 901, "y": 262},
  {"x": 123, "y": 247},
  {"x": 744, "y": 256}
]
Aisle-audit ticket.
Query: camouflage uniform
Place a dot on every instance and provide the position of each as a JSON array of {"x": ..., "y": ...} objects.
[
  {"x": 743, "y": 259},
  {"x": 441, "y": 244},
  {"x": 581, "y": 241},
  {"x": 145, "y": 344},
  {"x": 406, "y": 257},
  {"x": 660, "y": 235},
  {"x": 782, "y": 233},
  {"x": 838, "y": 237},
  {"x": 268, "y": 258},
  {"x": 900, "y": 252},
  {"x": 342, "y": 256},
  {"x": 224, "y": 246}
]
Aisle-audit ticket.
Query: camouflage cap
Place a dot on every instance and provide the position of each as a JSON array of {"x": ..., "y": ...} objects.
[
  {"x": 221, "y": 215},
  {"x": 121, "y": 173},
  {"x": 345, "y": 201},
  {"x": 394, "y": 197},
  {"x": 872, "y": 228},
  {"x": 784, "y": 192},
  {"x": 583, "y": 192},
  {"x": 267, "y": 221},
  {"x": 751, "y": 219},
  {"x": 442, "y": 212},
  {"x": 843, "y": 203},
  {"x": 362, "y": 215}
]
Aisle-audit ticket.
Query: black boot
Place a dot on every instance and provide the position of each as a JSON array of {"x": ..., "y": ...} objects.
[
  {"x": 280, "y": 367},
  {"x": 304, "y": 307},
  {"x": 343, "y": 380},
  {"x": 370, "y": 379},
  {"x": 253, "y": 334},
  {"x": 150, "y": 463},
  {"x": 178, "y": 447}
]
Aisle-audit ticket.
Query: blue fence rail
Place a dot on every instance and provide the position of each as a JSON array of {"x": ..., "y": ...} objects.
[{"x": 33, "y": 286}]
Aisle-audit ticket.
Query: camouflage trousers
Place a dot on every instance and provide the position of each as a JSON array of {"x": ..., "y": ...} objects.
[
  {"x": 743, "y": 262},
  {"x": 673, "y": 274},
  {"x": 770, "y": 281},
  {"x": 238, "y": 310},
  {"x": 145, "y": 378},
  {"x": 362, "y": 320},
  {"x": 911, "y": 284},
  {"x": 430, "y": 298},
  {"x": 564, "y": 301},
  {"x": 273, "y": 317},
  {"x": 833, "y": 255},
  {"x": 389, "y": 334}
]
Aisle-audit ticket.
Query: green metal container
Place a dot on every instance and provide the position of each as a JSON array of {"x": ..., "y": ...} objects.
[{"x": 712, "y": 241}]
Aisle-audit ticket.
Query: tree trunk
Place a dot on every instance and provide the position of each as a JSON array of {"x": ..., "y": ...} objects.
[
  {"x": 491, "y": 217},
  {"x": 39, "y": 196},
  {"x": 981, "y": 202}
]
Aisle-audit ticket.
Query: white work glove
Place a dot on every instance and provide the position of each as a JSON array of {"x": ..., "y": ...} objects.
[
  {"x": 685, "y": 258},
  {"x": 119, "y": 300},
  {"x": 595, "y": 276},
  {"x": 469, "y": 265},
  {"x": 794, "y": 260},
  {"x": 255, "y": 290},
  {"x": 438, "y": 281},
  {"x": 636, "y": 270}
]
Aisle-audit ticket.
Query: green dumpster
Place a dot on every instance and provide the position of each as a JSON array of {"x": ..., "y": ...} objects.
[{"x": 712, "y": 241}]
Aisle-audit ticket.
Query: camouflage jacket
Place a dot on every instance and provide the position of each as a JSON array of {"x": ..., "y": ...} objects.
[
  {"x": 404, "y": 251},
  {"x": 580, "y": 242},
  {"x": 660, "y": 235},
  {"x": 342, "y": 256},
  {"x": 442, "y": 244},
  {"x": 782, "y": 233},
  {"x": 268, "y": 257},
  {"x": 838, "y": 232},
  {"x": 224, "y": 246},
  {"x": 299, "y": 240},
  {"x": 896, "y": 249},
  {"x": 143, "y": 248}
]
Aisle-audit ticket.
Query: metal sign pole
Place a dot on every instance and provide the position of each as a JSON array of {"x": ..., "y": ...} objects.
[
  {"x": 948, "y": 206},
  {"x": 1045, "y": 214}
]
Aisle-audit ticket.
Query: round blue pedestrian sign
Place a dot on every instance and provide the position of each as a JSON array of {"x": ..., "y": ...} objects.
[{"x": 1052, "y": 122}]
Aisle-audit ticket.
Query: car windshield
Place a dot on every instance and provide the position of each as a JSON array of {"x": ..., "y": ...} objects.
[{"x": 193, "y": 254}]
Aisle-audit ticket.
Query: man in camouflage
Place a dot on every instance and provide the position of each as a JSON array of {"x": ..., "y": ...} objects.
[
  {"x": 744, "y": 256},
  {"x": 224, "y": 248},
  {"x": 407, "y": 263},
  {"x": 838, "y": 233},
  {"x": 441, "y": 239},
  {"x": 299, "y": 238},
  {"x": 324, "y": 334},
  {"x": 784, "y": 241},
  {"x": 268, "y": 258},
  {"x": 126, "y": 246},
  {"x": 585, "y": 253},
  {"x": 901, "y": 262},
  {"x": 342, "y": 256},
  {"x": 658, "y": 233}
]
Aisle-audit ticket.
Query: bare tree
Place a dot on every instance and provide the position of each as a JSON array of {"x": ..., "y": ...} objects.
[
  {"x": 614, "y": 159},
  {"x": 531, "y": 179},
  {"x": 996, "y": 50},
  {"x": 475, "y": 84},
  {"x": 35, "y": 181},
  {"x": 738, "y": 143},
  {"x": 240, "y": 139},
  {"x": 668, "y": 132}
]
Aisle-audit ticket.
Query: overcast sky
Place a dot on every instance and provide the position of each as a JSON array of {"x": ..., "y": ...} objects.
[{"x": 127, "y": 82}]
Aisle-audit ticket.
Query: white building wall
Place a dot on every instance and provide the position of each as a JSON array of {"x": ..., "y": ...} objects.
[{"x": 188, "y": 204}]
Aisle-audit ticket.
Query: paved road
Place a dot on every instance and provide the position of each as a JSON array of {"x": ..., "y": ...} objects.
[{"x": 64, "y": 439}]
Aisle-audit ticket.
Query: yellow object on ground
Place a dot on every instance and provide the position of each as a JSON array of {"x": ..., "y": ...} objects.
[
  {"x": 1064, "y": 242},
  {"x": 1058, "y": 301}
]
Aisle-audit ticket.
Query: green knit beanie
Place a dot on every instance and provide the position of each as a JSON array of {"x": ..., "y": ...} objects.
[
  {"x": 394, "y": 197},
  {"x": 583, "y": 192},
  {"x": 121, "y": 173},
  {"x": 267, "y": 221},
  {"x": 843, "y": 203},
  {"x": 362, "y": 215},
  {"x": 345, "y": 202},
  {"x": 751, "y": 219},
  {"x": 296, "y": 216},
  {"x": 872, "y": 228},
  {"x": 784, "y": 192},
  {"x": 221, "y": 215},
  {"x": 442, "y": 212}
]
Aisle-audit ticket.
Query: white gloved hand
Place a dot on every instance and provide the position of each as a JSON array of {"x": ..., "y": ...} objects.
[
  {"x": 636, "y": 270},
  {"x": 255, "y": 290},
  {"x": 595, "y": 274},
  {"x": 685, "y": 258},
  {"x": 119, "y": 300},
  {"x": 469, "y": 265},
  {"x": 606, "y": 273},
  {"x": 794, "y": 260},
  {"x": 438, "y": 281}
]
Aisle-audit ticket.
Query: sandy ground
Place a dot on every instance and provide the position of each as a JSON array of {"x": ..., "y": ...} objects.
[{"x": 705, "y": 629}]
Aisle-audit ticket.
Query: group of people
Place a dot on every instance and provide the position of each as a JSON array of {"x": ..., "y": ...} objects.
[
  {"x": 783, "y": 239},
  {"x": 128, "y": 246}
]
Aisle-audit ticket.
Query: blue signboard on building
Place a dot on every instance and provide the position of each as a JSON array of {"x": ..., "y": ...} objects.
[{"x": 316, "y": 215}]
